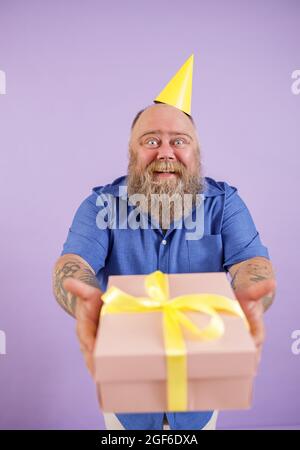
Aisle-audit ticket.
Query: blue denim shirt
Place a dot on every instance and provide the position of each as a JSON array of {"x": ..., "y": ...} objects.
[{"x": 228, "y": 236}]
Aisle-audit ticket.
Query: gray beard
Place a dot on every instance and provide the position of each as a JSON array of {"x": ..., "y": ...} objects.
[{"x": 165, "y": 201}]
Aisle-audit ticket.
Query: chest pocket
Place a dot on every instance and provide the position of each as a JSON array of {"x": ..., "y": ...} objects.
[{"x": 206, "y": 254}]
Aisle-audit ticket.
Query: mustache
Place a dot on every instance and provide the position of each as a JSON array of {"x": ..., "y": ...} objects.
[{"x": 166, "y": 166}]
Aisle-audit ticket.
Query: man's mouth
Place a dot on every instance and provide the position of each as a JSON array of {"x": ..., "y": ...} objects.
[{"x": 164, "y": 173}]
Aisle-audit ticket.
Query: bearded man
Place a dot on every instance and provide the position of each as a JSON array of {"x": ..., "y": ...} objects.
[{"x": 164, "y": 158}]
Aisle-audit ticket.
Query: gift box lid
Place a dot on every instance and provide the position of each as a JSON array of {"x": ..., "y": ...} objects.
[{"x": 130, "y": 346}]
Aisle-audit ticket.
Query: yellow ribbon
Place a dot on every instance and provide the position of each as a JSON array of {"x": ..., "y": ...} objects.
[{"x": 157, "y": 288}]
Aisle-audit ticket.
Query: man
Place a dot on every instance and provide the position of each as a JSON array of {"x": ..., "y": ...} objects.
[{"x": 164, "y": 158}]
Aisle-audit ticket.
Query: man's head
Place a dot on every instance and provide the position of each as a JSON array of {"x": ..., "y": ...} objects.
[{"x": 164, "y": 154}]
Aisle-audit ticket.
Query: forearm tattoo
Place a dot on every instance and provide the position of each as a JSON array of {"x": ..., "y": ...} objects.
[
  {"x": 253, "y": 272},
  {"x": 71, "y": 269}
]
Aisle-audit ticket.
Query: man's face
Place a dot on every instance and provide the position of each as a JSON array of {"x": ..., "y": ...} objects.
[
  {"x": 164, "y": 133},
  {"x": 164, "y": 159}
]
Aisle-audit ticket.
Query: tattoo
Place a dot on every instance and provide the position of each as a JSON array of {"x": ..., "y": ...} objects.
[
  {"x": 253, "y": 272},
  {"x": 71, "y": 269},
  {"x": 259, "y": 272},
  {"x": 72, "y": 304},
  {"x": 88, "y": 278},
  {"x": 267, "y": 301},
  {"x": 233, "y": 285}
]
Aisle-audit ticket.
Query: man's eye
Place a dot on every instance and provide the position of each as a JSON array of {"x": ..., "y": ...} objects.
[
  {"x": 152, "y": 142},
  {"x": 179, "y": 142}
]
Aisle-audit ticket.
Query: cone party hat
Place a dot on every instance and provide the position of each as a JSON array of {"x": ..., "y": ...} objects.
[{"x": 178, "y": 92}]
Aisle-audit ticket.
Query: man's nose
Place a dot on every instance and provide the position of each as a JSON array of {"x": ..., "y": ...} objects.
[{"x": 165, "y": 151}]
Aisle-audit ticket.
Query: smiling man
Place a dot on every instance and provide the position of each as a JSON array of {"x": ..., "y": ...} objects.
[{"x": 164, "y": 160}]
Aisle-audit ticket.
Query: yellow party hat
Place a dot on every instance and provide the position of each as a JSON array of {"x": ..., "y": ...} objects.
[{"x": 178, "y": 92}]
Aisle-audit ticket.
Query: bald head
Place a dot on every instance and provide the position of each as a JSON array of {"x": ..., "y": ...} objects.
[
  {"x": 137, "y": 116},
  {"x": 161, "y": 110}
]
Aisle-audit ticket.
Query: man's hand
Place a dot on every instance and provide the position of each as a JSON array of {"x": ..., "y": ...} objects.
[
  {"x": 87, "y": 314},
  {"x": 251, "y": 301}
]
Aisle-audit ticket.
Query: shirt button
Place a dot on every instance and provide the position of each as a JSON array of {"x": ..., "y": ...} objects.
[{"x": 164, "y": 242}]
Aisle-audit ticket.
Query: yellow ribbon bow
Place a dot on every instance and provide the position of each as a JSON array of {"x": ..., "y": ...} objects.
[{"x": 157, "y": 288}]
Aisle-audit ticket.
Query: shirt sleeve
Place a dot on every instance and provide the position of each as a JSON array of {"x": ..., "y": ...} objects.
[
  {"x": 241, "y": 240},
  {"x": 85, "y": 238}
]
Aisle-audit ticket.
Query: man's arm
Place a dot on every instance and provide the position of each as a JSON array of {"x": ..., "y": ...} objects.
[
  {"x": 76, "y": 289},
  {"x": 254, "y": 285},
  {"x": 71, "y": 266},
  {"x": 250, "y": 272}
]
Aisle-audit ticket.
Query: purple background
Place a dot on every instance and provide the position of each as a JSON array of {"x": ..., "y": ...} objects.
[{"x": 77, "y": 72}]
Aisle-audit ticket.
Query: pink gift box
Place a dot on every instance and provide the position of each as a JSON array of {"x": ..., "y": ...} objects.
[{"x": 130, "y": 358}]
